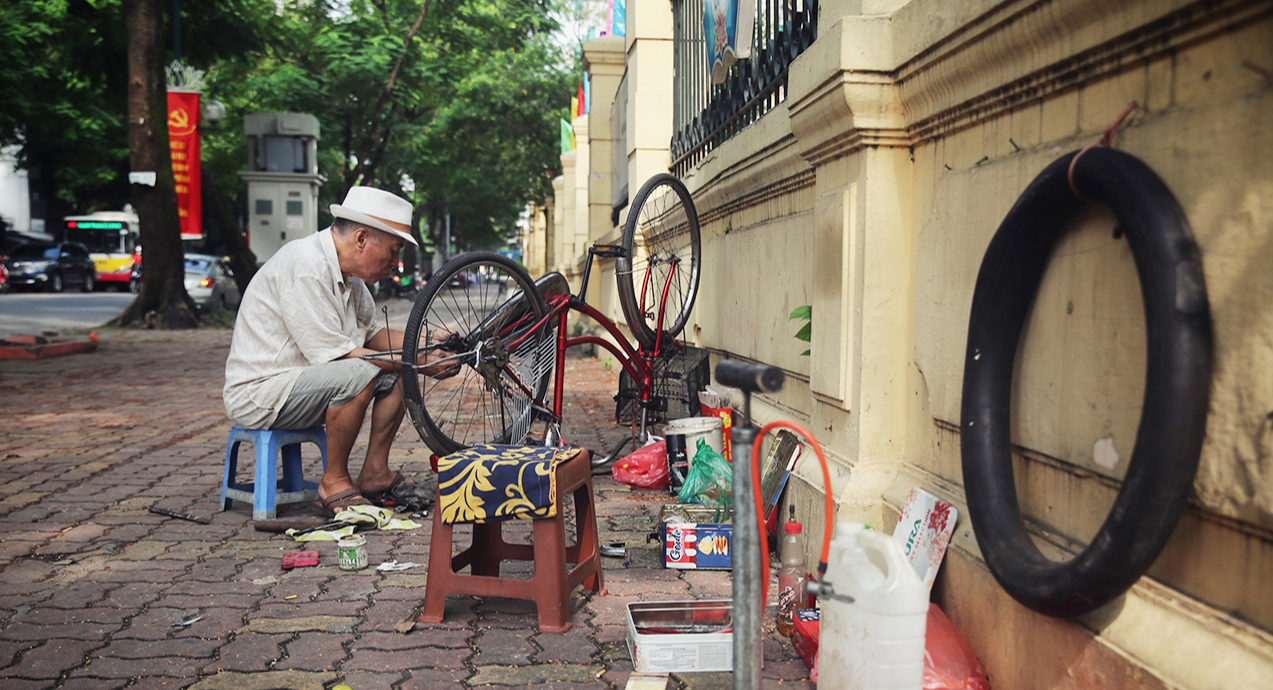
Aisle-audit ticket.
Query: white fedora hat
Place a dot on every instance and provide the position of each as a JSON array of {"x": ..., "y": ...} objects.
[{"x": 376, "y": 208}]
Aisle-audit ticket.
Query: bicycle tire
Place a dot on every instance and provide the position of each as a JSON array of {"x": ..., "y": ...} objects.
[
  {"x": 1169, "y": 439},
  {"x": 655, "y": 228},
  {"x": 478, "y": 405}
]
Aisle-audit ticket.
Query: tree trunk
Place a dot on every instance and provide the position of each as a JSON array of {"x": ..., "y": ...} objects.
[{"x": 163, "y": 302}]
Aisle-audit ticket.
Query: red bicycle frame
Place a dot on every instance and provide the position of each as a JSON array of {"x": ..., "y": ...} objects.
[{"x": 637, "y": 362}]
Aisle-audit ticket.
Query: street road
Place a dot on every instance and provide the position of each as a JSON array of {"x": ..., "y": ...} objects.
[{"x": 32, "y": 313}]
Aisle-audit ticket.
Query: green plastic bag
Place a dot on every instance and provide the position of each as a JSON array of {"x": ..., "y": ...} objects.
[{"x": 710, "y": 480}]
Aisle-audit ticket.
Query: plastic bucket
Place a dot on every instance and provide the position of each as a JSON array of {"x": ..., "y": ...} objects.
[{"x": 694, "y": 428}]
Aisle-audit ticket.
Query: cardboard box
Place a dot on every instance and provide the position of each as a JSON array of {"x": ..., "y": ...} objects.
[
  {"x": 697, "y": 536},
  {"x": 681, "y": 636},
  {"x": 923, "y": 531},
  {"x": 804, "y": 635},
  {"x": 705, "y": 546}
]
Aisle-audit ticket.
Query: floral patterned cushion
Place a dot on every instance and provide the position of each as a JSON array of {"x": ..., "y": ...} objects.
[{"x": 491, "y": 483}]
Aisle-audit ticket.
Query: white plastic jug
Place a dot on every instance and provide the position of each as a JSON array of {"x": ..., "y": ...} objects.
[{"x": 877, "y": 641}]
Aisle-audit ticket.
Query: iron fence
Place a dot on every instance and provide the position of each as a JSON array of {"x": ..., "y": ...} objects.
[{"x": 705, "y": 116}]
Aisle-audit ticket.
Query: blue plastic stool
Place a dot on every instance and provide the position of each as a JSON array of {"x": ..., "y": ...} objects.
[{"x": 265, "y": 493}]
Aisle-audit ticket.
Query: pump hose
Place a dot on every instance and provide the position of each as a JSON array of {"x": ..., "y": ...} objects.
[
  {"x": 760, "y": 508},
  {"x": 1173, "y": 419}
]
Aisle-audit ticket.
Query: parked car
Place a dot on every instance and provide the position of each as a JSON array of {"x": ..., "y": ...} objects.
[
  {"x": 209, "y": 280},
  {"x": 51, "y": 266}
]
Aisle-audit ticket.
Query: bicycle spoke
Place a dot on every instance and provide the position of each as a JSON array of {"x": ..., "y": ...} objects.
[{"x": 492, "y": 398}]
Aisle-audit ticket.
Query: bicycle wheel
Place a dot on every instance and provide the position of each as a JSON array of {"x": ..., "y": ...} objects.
[
  {"x": 661, "y": 258},
  {"x": 478, "y": 311}
]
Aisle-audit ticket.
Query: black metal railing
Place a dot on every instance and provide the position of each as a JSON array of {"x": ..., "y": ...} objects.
[{"x": 705, "y": 116}]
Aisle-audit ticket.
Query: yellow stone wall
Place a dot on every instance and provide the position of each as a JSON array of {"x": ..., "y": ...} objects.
[{"x": 909, "y": 130}]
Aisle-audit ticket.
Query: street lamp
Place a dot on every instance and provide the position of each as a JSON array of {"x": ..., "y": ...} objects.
[{"x": 213, "y": 112}]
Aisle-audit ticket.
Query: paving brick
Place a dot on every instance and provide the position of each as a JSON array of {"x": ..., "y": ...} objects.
[
  {"x": 135, "y": 594},
  {"x": 171, "y": 666},
  {"x": 423, "y": 657},
  {"x": 98, "y": 683},
  {"x": 23, "y": 684},
  {"x": 419, "y": 637},
  {"x": 537, "y": 675},
  {"x": 315, "y": 651},
  {"x": 572, "y": 647},
  {"x": 248, "y": 652},
  {"x": 78, "y": 631},
  {"x": 348, "y": 589},
  {"x": 52, "y": 659},
  {"x": 434, "y": 679},
  {"x": 143, "y": 649},
  {"x": 385, "y": 614},
  {"x": 503, "y": 647},
  {"x": 297, "y": 608},
  {"x": 100, "y": 615},
  {"x": 9, "y": 651},
  {"x": 290, "y": 679},
  {"x": 367, "y": 679}
]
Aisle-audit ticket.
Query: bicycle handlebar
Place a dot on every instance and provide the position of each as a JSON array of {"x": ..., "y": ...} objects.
[{"x": 751, "y": 378}]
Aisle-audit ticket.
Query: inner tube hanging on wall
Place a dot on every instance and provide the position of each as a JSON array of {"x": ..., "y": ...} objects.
[{"x": 1177, "y": 382}]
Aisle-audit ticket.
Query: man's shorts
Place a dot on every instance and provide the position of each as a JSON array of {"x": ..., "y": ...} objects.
[{"x": 330, "y": 385}]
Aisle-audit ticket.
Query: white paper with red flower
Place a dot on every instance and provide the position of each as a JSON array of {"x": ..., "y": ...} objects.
[{"x": 924, "y": 530}]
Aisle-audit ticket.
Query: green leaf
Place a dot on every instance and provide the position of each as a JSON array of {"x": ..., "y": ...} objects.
[
  {"x": 805, "y": 333},
  {"x": 802, "y": 312}
]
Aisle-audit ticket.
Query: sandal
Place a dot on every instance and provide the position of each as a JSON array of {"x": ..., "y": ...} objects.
[
  {"x": 341, "y": 500},
  {"x": 402, "y": 493}
]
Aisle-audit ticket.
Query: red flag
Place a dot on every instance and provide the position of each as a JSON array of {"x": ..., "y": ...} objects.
[
  {"x": 183, "y": 140},
  {"x": 583, "y": 103}
]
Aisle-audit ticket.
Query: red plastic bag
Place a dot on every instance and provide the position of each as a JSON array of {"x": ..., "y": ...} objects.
[
  {"x": 949, "y": 663},
  {"x": 645, "y": 467}
]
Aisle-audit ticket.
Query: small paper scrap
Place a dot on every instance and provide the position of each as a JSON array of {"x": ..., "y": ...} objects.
[{"x": 393, "y": 566}]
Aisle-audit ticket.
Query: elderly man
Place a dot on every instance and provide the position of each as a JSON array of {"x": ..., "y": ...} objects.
[{"x": 305, "y": 321}]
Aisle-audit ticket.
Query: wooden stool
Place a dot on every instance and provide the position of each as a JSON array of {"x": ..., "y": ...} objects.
[{"x": 551, "y": 584}]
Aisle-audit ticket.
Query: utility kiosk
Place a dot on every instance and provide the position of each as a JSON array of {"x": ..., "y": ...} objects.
[{"x": 282, "y": 178}]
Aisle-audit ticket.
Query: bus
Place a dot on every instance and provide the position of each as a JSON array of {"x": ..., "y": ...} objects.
[{"x": 111, "y": 238}]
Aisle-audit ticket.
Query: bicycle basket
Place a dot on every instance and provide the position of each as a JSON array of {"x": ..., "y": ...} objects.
[{"x": 677, "y": 379}]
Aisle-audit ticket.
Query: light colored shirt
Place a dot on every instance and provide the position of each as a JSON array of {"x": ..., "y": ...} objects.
[{"x": 298, "y": 311}]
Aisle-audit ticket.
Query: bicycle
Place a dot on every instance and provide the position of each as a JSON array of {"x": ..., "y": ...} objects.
[{"x": 509, "y": 334}]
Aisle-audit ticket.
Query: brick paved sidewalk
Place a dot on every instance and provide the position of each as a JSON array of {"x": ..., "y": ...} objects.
[{"x": 96, "y": 592}]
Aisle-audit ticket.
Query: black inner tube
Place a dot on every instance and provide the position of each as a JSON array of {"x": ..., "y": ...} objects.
[{"x": 1177, "y": 383}]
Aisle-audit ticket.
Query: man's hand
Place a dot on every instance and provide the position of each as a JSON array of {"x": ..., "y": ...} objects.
[{"x": 439, "y": 370}]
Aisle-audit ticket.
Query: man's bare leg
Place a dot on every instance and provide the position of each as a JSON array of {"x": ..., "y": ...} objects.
[
  {"x": 343, "y": 424},
  {"x": 386, "y": 419}
]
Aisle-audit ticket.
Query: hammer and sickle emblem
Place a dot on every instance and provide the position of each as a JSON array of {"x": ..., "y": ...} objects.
[{"x": 179, "y": 121}]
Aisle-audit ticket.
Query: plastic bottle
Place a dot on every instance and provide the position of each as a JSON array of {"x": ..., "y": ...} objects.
[
  {"x": 876, "y": 640},
  {"x": 793, "y": 577}
]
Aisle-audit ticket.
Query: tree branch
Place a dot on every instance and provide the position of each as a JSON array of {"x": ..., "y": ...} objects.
[{"x": 393, "y": 78}]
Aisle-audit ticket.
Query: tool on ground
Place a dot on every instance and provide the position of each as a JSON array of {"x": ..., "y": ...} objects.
[
  {"x": 181, "y": 516},
  {"x": 301, "y": 526}
]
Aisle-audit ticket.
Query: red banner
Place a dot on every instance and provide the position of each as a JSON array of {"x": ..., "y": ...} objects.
[{"x": 183, "y": 138}]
